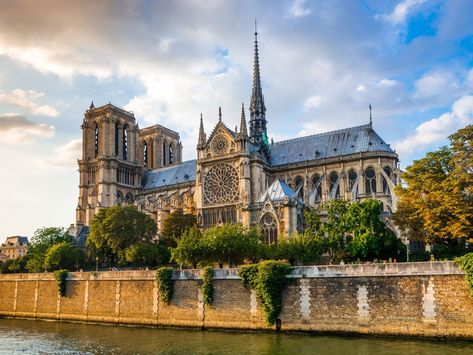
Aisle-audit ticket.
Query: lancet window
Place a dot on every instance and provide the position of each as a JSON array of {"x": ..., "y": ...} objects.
[
  {"x": 269, "y": 228},
  {"x": 370, "y": 181}
]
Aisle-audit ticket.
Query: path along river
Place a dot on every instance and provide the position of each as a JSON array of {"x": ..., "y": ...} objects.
[{"x": 19, "y": 336}]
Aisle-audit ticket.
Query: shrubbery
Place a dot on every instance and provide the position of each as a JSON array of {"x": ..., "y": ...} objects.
[{"x": 165, "y": 283}]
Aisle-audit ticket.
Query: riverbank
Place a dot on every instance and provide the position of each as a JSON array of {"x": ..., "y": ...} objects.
[{"x": 409, "y": 299}]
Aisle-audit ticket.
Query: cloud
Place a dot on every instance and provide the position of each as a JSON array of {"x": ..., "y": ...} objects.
[
  {"x": 298, "y": 8},
  {"x": 436, "y": 83},
  {"x": 314, "y": 102},
  {"x": 438, "y": 129},
  {"x": 66, "y": 156},
  {"x": 28, "y": 99},
  {"x": 17, "y": 129},
  {"x": 402, "y": 10}
]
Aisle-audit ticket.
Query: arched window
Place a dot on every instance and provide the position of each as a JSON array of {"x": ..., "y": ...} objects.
[
  {"x": 352, "y": 176},
  {"x": 164, "y": 153},
  {"x": 116, "y": 139},
  {"x": 171, "y": 159},
  {"x": 145, "y": 155},
  {"x": 334, "y": 185},
  {"x": 269, "y": 228},
  {"x": 125, "y": 143},
  {"x": 119, "y": 197},
  {"x": 388, "y": 172},
  {"x": 129, "y": 198},
  {"x": 370, "y": 181},
  {"x": 299, "y": 184},
  {"x": 96, "y": 140},
  {"x": 317, "y": 183}
]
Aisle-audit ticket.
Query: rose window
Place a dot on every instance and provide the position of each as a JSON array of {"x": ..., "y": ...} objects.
[
  {"x": 221, "y": 184},
  {"x": 220, "y": 145}
]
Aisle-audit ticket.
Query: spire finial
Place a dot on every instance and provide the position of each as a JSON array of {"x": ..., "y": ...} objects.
[
  {"x": 219, "y": 114},
  {"x": 92, "y": 105},
  {"x": 243, "y": 130},
  {"x": 256, "y": 28},
  {"x": 371, "y": 117},
  {"x": 201, "y": 142}
]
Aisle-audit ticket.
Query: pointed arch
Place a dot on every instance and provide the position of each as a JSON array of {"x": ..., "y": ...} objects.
[
  {"x": 269, "y": 227},
  {"x": 125, "y": 142}
]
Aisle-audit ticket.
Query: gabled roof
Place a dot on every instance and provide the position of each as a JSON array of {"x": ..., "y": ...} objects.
[
  {"x": 171, "y": 175},
  {"x": 277, "y": 191},
  {"x": 17, "y": 239},
  {"x": 329, "y": 144}
]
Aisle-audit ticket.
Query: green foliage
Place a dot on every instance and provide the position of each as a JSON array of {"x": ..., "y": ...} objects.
[
  {"x": 165, "y": 283},
  {"x": 206, "y": 287},
  {"x": 42, "y": 240},
  {"x": 64, "y": 255},
  {"x": 116, "y": 228},
  {"x": 466, "y": 264},
  {"x": 190, "y": 249},
  {"x": 336, "y": 228},
  {"x": 14, "y": 265},
  {"x": 61, "y": 279},
  {"x": 148, "y": 253},
  {"x": 175, "y": 225},
  {"x": 300, "y": 248},
  {"x": 268, "y": 279},
  {"x": 436, "y": 201}
]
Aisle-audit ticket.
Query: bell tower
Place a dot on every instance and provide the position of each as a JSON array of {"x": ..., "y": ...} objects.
[{"x": 110, "y": 170}]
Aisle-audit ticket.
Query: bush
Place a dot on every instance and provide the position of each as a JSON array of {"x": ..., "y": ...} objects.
[
  {"x": 165, "y": 283},
  {"x": 268, "y": 279},
  {"x": 466, "y": 264},
  {"x": 61, "y": 279},
  {"x": 206, "y": 287}
]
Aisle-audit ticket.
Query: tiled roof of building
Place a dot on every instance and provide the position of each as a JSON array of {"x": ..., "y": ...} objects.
[
  {"x": 277, "y": 191},
  {"x": 326, "y": 145},
  {"x": 171, "y": 175},
  {"x": 17, "y": 239}
]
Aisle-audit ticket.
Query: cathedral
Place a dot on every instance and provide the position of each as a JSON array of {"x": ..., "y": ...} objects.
[{"x": 238, "y": 176}]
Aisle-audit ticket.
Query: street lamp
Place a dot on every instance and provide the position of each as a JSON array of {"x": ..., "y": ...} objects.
[{"x": 96, "y": 263}]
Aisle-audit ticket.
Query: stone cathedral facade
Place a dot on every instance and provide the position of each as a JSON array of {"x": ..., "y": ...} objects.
[{"x": 238, "y": 175}]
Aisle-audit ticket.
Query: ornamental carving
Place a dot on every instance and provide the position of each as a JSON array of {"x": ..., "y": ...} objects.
[
  {"x": 221, "y": 184},
  {"x": 220, "y": 145}
]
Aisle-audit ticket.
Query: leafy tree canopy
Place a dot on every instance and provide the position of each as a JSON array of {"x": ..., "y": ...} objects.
[
  {"x": 64, "y": 255},
  {"x": 175, "y": 224}
]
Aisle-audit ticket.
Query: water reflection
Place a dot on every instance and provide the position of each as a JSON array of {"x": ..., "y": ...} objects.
[{"x": 41, "y": 337}]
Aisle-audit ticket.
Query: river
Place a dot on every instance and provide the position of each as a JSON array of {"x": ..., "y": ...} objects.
[{"x": 19, "y": 336}]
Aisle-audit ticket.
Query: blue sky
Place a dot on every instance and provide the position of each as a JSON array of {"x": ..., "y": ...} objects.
[{"x": 322, "y": 63}]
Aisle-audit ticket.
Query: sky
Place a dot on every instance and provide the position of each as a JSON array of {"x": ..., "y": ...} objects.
[{"x": 322, "y": 63}]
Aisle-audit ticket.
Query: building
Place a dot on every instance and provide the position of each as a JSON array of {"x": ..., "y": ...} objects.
[
  {"x": 15, "y": 247},
  {"x": 239, "y": 176}
]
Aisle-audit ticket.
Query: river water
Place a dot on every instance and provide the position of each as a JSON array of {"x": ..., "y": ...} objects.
[{"x": 19, "y": 336}]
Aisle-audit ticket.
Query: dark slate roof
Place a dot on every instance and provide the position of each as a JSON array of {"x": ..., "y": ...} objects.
[
  {"x": 17, "y": 239},
  {"x": 171, "y": 175},
  {"x": 329, "y": 144},
  {"x": 277, "y": 191}
]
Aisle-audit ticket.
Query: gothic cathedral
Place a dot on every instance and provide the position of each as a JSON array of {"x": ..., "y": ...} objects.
[{"x": 238, "y": 176}]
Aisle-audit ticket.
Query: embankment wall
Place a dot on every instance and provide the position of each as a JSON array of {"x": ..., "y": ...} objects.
[{"x": 413, "y": 299}]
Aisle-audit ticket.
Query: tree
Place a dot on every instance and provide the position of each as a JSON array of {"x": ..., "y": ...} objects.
[
  {"x": 149, "y": 254},
  {"x": 116, "y": 228},
  {"x": 336, "y": 228},
  {"x": 42, "y": 240},
  {"x": 436, "y": 202},
  {"x": 190, "y": 249},
  {"x": 64, "y": 255},
  {"x": 301, "y": 248},
  {"x": 175, "y": 224}
]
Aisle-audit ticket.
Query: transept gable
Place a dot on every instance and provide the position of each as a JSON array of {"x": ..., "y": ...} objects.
[{"x": 222, "y": 141}]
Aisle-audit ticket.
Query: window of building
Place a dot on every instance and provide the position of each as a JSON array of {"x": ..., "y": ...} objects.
[
  {"x": 145, "y": 155},
  {"x": 352, "y": 176},
  {"x": 387, "y": 171},
  {"x": 171, "y": 158},
  {"x": 116, "y": 139},
  {"x": 317, "y": 183},
  {"x": 334, "y": 185},
  {"x": 269, "y": 228},
  {"x": 299, "y": 184},
  {"x": 125, "y": 143},
  {"x": 96, "y": 140},
  {"x": 370, "y": 181},
  {"x": 215, "y": 216}
]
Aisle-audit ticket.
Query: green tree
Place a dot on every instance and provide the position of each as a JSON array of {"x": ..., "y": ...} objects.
[
  {"x": 190, "y": 249},
  {"x": 42, "y": 240},
  {"x": 116, "y": 228},
  {"x": 149, "y": 254},
  {"x": 175, "y": 224},
  {"x": 335, "y": 228},
  {"x": 64, "y": 255},
  {"x": 301, "y": 248},
  {"x": 436, "y": 200}
]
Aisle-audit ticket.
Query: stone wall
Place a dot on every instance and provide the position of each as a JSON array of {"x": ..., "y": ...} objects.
[{"x": 414, "y": 299}]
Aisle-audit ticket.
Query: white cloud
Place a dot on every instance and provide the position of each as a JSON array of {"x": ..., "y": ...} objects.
[
  {"x": 314, "y": 102},
  {"x": 438, "y": 129},
  {"x": 299, "y": 9},
  {"x": 436, "y": 83},
  {"x": 402, "y": 10},
  {"x": 66, "y": 156},
  {"x": 17, "y": 129},
  {"x": 28, "y": 99}
]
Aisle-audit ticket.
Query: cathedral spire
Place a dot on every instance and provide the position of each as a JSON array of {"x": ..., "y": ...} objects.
[
  {"x": 258, "y": 134},
  {"x": 243, "y": 130},
  {"x": 371, "y": 117},
  {"x": 201, "y": 143},
  {"x": 219, "y": 114}
]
